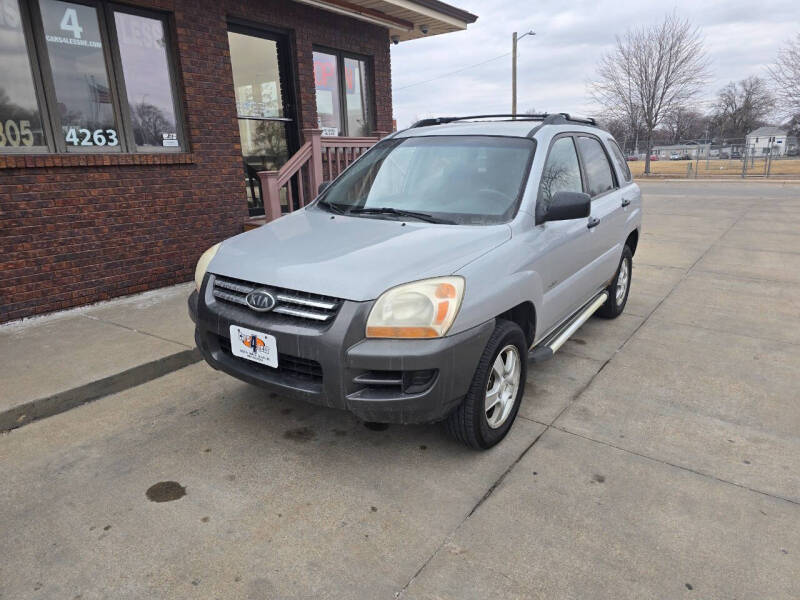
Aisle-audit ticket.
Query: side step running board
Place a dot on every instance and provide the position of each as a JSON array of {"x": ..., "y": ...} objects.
[{"x": 547, "y": 347}]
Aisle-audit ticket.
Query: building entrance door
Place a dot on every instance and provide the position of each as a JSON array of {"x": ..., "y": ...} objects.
[{"x": 265, "y": 105}]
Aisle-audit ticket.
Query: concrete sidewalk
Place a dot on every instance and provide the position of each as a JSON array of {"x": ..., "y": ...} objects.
[{"x": 52, "y": 363}]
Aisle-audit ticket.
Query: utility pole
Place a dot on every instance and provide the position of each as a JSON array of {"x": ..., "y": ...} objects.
[
  {"x": 514, "y": 40},
  {"x": 514, "y": 74}
]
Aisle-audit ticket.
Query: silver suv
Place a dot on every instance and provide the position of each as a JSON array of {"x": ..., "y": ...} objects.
[{"x": 419, "y": 283}]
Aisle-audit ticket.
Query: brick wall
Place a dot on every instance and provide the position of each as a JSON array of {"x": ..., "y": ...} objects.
[{"x": 79, "y": 229}]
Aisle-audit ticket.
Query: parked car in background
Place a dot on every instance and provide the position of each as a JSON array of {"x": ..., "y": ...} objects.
[
  {"x": 724, "y": 155},
  {"x": 653, "y": 157},
  {"x": 419, "y": 283},
  {"x": 675, "y": 156},
  {"x": 631, "y": 158},
  {"x": 736, "y": 154},
  {"x": 793, "y": 152}
]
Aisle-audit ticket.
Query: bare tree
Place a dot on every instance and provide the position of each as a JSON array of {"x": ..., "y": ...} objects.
[
  {"x": 742, "y": 106},
  {"x": 786, "y": 75},
  {"x": 681, "y": 124},
  {"x": 651, "y": 71}
]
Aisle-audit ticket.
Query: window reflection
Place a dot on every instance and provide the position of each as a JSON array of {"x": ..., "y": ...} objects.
[
  {"x": 326, "y": 81},
  {"x": 355, "y": 72},
  {"x": 259, "y": 105},
  {"x": 145, "y": 67},
  {"x": 561, "y": 173},
  {"x": 20, "y": 119},
  {"x": 81, "y": 82}
]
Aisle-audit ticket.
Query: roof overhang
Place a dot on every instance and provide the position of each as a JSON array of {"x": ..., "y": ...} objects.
[{"x": 405, "y": 19}]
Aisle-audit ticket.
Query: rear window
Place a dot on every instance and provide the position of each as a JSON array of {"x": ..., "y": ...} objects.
[
  {"x": 620, "y": 160},
  {"x": 596, "y": 167},
  {"x": 472, "y": 180}
]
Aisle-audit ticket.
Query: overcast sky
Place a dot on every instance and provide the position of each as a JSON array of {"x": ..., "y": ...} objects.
[{"x": 556, "y": 65}]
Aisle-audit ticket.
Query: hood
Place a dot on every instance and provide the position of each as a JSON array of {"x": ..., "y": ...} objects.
[{"x": 353, "y": 258}]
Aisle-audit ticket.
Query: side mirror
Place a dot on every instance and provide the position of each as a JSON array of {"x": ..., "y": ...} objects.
[
  {"x": 565, "y": 206},
  {"x": 322, "y": 187}
]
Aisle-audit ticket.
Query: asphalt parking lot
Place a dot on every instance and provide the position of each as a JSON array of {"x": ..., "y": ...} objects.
[{"x": 657, "y": 456}]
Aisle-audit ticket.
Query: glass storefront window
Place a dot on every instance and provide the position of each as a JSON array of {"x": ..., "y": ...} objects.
[
  {"x": 146, "y": 71},
  {"x": 80, "y": 77},
  {"x": 326, "y": 81},
  {"x": 256, "y": 76},
  {"x": 343, "y": 97},
  {"x": 259, "y": 105},
  {"x": 355, "y": 77},
  {"x": 20, "y": 119},
  {"x": 86, "y": 78}
]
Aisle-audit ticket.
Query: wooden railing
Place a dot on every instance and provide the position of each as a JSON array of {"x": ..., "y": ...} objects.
[
  {"x": 339, "y": 152},
  {"x": 318, "y": 159}
]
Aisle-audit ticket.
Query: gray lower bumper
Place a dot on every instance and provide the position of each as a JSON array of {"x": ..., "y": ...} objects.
[{"x": 392, "y": 381}]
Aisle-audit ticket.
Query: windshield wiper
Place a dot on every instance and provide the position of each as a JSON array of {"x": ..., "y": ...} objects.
[
  {"x": 386, "y": 210},
  {"x": 332, "y": 206}
]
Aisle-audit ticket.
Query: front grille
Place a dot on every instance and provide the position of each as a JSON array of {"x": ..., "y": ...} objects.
[
  {"x": 298, "y": 368},
  {"x": 292, "y": 304}
]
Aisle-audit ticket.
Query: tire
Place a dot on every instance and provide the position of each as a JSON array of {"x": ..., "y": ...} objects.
[
  {"x": 615, "y": 304},
  {"x": 471, "y": 423}
]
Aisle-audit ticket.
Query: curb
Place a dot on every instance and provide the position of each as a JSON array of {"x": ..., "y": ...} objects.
[
  {"x": 63, "y": 401},
  {"x": 734, "y": 179}
]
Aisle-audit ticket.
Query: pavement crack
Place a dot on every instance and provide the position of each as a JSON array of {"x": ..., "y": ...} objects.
[
  {"x": 134, "y": 330},
  {"x": 677, "y": 466},
  {"x": 449, "y": 537}
]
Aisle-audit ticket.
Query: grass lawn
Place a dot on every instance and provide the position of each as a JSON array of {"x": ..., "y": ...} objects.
[{"x": 788, "y": 167}]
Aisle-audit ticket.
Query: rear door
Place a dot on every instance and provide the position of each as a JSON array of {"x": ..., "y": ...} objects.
[{"x": 607, "y": 219}]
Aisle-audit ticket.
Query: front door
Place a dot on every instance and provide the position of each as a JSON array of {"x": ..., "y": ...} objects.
[{"x": 264, "y": 105}]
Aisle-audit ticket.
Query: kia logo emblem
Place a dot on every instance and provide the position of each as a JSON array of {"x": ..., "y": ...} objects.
[{"x": 260, "y": 300}]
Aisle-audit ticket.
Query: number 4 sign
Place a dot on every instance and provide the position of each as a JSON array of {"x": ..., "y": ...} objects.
[{"x": 69, "y": 22}]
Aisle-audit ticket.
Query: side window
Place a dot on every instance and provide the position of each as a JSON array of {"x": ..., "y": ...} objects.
[
  {"x": 620, "y": 159},
  {"x": 595, "y": 164},
  {"x": 561, "y": 172}
]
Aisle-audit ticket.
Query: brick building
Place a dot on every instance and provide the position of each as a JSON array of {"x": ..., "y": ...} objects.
[{"x": 133, "y": 136}]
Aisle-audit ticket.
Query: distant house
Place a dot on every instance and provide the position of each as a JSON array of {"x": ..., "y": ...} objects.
[
  {"x": 690, "y": 149},
  {"x": 770, "y": 140}
]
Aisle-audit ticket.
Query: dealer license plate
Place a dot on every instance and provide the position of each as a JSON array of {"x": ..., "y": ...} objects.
[{"x": 254, "y": 345}]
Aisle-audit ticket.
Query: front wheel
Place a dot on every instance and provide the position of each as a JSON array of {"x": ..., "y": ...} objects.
[
  {"x": 491, "y": 404},
  {"x": 619, "y": 288}
]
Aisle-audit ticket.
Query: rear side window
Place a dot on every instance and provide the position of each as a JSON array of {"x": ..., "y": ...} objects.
[
  {"x": 561, "y": 172},
  {"x": 596, "y": 167},
  {"x": 620, "y": 159}
]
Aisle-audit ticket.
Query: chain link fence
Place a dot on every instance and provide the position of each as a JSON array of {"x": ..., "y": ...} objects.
[{"x": 731, "y": 159}]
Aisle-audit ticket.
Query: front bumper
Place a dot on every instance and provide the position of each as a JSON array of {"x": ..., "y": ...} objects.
[{"x": 380, "y": 380}]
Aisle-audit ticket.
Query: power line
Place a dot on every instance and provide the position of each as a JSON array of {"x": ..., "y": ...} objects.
[{"x": 443, "y": 75}]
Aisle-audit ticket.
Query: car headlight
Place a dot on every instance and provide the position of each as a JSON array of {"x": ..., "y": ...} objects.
[
  {"x": 202, "y": 265},
  {"x": 422, "y": 309}
]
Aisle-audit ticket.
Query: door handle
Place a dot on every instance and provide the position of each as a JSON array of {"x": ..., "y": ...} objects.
[
  {"x": 626, "y": 202},
  {"x": 593, "y": 221}
]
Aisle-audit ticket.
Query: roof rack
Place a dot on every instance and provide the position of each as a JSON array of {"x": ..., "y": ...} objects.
[{"x": 545, "y": 118}]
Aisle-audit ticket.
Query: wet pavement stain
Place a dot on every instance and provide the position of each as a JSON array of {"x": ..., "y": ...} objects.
[
  {"x": 286, "y": 411},
  {"x": 423, "y": 447},
  {"x": 376, "y": 426},
  {"x": 107, "y": 527},
  {"x": 165, "y": 491},
  {"x": 373, "y": 508},
  {"x": 300, "y": 434},
  {"x": 339, "y": 432},
  {"x": 598, "y": 478},
  {"x": 205, "y": 519},
  {"x": 689, "y": 586},
  {"x": 579, "y": 341}
]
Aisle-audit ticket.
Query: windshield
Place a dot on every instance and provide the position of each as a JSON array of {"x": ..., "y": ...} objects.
[{"x": 472, "y": 180}]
